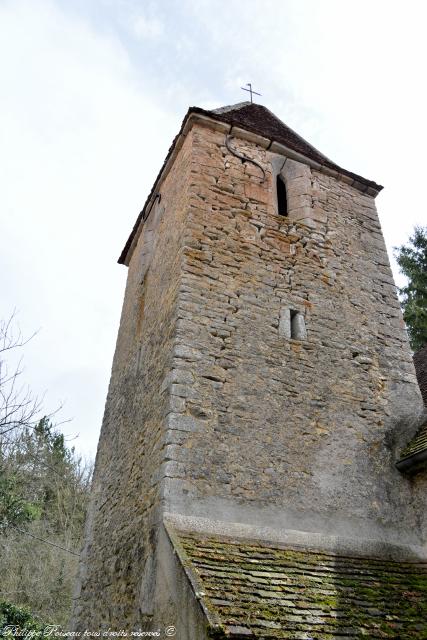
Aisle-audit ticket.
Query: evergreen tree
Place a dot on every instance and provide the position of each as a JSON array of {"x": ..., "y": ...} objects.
[{"x": 412, "y": 260}]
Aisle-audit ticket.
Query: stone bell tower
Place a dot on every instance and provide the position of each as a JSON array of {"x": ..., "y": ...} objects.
[{"x": 262, "y": 385}]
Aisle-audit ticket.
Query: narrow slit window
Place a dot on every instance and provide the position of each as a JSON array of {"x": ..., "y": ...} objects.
[
  {"x": 292, "y": 324},
  {"x": 298, "y": 330},
  {"x": 282, "y": 200}
]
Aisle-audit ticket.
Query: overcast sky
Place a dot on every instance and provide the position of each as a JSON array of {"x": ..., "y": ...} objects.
[{"x": 92, "y": 93}]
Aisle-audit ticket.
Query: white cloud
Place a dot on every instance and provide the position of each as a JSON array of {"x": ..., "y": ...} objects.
[{"x": 150, "y": 28}]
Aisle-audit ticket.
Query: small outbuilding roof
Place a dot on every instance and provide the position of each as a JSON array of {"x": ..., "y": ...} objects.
[
  {"x": 414, "y": 456},
  {"x": 251, "y": 590}
]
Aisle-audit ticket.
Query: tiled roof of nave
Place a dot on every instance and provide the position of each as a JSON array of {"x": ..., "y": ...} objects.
[{"x": 257, "y": 591}]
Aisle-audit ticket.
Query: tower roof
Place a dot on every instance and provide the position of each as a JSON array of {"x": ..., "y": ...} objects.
[
  {"x": 256, "y": 119},
  {"x": 260, "y": 120}
]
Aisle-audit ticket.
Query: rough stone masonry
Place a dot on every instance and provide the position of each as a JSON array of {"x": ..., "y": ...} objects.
[{"x": 220, "y": 409}]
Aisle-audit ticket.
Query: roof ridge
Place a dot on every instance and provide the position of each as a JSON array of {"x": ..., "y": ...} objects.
[{"x": 231, "y": 107}]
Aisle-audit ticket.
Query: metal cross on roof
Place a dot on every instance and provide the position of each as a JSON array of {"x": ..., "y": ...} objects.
[{"x": 251, "y": 91}]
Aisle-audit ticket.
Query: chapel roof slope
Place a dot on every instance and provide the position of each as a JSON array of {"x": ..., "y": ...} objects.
[
  {"x": 414, "y": 456},
  {"x": 250, "y": 590},
  {"x": 259, "y": 120}
]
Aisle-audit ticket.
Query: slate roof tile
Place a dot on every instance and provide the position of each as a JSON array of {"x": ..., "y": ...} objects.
[{"x": 252, "y": 590}]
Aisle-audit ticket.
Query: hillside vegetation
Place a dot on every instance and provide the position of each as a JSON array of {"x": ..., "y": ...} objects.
[{"x": 44, "y": 491}]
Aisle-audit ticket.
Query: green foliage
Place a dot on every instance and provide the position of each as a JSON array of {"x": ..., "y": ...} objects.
[
  {"x": 412, "y": 260},
  {"x": 20, "y": 618},
  {"x": 44, "y": 489},
  {"x": 14, "y": 509},
  {"x": 44, "y": 478}
]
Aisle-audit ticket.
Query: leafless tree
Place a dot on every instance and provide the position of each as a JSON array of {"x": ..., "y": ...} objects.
[{"x": 19, "y": 408}]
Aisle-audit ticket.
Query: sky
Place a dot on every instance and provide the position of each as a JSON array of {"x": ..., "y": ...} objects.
[{"x": 92, "y": 93}]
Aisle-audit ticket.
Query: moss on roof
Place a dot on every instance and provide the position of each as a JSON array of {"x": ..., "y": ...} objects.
[{"x": 254, "y": 591}]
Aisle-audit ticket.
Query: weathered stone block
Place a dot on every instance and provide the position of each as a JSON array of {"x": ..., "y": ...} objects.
[
  {"x": 285, "y": 323},
  {"x": 184, "y": 423},
  {"x": 186, "y": 353},
  {"x": 256, "y": 192}
]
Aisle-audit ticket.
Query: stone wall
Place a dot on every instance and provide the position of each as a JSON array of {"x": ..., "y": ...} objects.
[
  {"x": 302, "y": 434},
  {"x": 122, "y": 523}
]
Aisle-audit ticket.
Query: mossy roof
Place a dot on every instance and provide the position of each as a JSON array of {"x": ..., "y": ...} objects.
[{"x": 252, "y": 590}]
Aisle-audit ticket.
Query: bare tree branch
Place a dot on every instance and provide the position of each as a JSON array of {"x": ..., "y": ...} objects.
[{"x": 19, "y": 408}]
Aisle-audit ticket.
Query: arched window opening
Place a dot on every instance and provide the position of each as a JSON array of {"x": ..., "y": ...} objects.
[{"x": 282, "y": 200}]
